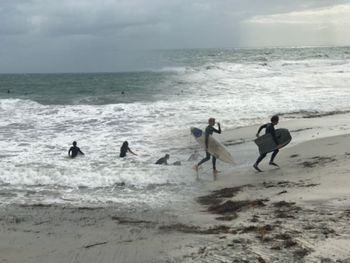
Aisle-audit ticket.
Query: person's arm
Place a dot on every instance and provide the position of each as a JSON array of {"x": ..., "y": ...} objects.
[
  {"x": 131, "y": 151},
  {"x": 81, "y": 151},
  {"x": 261, "y": 127},
  {"x": 69, "y": 151},
  {"x": 217, "y": 131}
]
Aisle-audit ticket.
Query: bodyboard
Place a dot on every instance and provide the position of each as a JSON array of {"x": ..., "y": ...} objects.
[{"x": 266, "y": 143}]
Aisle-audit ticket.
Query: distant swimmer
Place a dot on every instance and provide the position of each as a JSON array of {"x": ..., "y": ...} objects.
[
  {"x": 124, "y": 149},
  {"x": 269, "y": 129},
  {"x": 163, "y": 160},
  {"x": 209, "y": 131},
  {"x": 74, "y": 150}
]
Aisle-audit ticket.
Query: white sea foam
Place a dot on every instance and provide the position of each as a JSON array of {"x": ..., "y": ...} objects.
[{"x": 35, "y": 138}]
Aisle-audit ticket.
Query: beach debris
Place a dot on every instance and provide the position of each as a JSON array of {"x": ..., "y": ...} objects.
[
  {"x": 316, "y": 161},
  {"x": 96, "y": 244},
  {"x": 282, "y": 192},
  {"x": 126, "y": 220},
  {"x": 232, "y": 206},
  {"x": 216, "y": 196},
  {"x": 283, "y": 204},
  {"x": 301, "y": 253},
  {"x": 227, "y": 218},
  {"x": 288, "y": 184},
  {"x": 294, "y": 155},
  {"x": 219, "y": 229}
]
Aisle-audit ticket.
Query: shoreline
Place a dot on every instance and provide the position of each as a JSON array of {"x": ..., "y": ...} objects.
[{"x": 298, "y": 213}]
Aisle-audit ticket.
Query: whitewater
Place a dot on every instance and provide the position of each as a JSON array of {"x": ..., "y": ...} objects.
[{"x": 153, "y": 109}]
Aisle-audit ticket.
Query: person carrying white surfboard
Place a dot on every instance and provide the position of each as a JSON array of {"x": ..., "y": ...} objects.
[
  {"x": 269, "y": 129},
  {"x": 209, "y": 131}
]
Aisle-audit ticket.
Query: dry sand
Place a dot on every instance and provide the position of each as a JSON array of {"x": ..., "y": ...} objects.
[{"x": 298, "y": 213}]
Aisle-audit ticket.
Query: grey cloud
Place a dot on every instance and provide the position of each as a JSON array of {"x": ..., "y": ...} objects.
[
  {"x": 13, "y": 22},
  {"x": 50, "y": 34},
  {"x": 48, "y": 17},
  {"x": 86, "y": 17}
]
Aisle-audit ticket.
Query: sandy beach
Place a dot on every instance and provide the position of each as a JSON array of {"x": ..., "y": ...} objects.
[{"x": 297, "y": 213}]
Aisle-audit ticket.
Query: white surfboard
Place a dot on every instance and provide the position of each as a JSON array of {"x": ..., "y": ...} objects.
[{"x": 215, "y": 148}]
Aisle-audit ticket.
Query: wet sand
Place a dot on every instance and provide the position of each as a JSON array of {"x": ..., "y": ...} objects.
[{"x": 297, "y": 213}]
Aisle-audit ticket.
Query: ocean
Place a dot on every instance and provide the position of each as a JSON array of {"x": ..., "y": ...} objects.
[{"x": 152, "y": 108}]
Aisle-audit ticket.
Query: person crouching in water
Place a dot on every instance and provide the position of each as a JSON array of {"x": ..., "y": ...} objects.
[
  {"x": 269, "y": 129},
  {"x": 163, "y": 160},
  {"x": 74, "y": 150},
  {"x": 209, "y": 131},
  {"x": 124, "y": 149}
]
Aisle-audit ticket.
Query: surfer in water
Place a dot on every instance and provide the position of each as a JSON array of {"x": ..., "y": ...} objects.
[
  {"x": 124, "y": 149},
  {"x": 163, "y": 160},
  {"x": 269, "y": 128},
  {"x": 209, "y": 131},
  {"x": 74, "y": 150}
]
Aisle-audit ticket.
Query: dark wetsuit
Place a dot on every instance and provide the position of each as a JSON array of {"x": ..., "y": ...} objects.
[
  {"x": 269, "y": 129},
  {"x": 209, "y": 131},
  {"x": 162, "y": 160},
  {"x": 74, "y": 150},
  {"x": 124, "y": 150}
]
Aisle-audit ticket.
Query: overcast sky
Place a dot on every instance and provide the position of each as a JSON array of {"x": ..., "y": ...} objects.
[{"x": 107, "y": 35}]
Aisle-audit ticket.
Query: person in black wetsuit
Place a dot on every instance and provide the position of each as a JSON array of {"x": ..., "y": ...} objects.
[
  {"x": 74, "y": 150},
  {"x": 124, "y": 149},
  {"x": 209, "y": 131},
  {"x": 163, "y": 160},
  {"x": 269, "y": 128}
]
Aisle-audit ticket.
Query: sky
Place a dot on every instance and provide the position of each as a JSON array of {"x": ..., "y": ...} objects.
[{"x": 112, "y": 35}]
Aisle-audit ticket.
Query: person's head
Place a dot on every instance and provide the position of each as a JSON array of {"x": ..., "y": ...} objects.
[
  {"x": 211, "y": 121},
  {"x": 125, "y": 144},
  {"x": 167, "y": 156},
  {"x": 74, "y": 143},
  {"x": 274, "y": 119}
]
